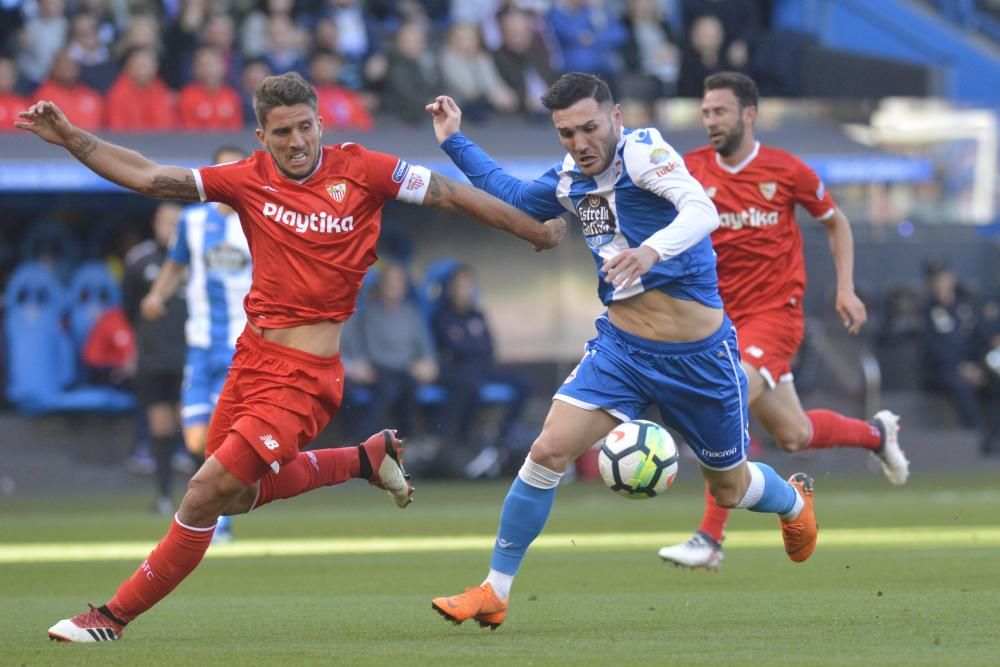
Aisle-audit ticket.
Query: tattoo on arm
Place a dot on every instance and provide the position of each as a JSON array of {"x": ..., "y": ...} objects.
[
  {"x": 168, "y": 187},
  {"x": 440, "y": 191},
  {"x": 81, "y": 147}
]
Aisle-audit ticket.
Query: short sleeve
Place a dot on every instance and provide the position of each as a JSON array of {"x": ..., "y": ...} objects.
[
  {"x": 220, "y": 183},
  {"x": 179, "y": 250},
  {"x": 811, "y": 193}
]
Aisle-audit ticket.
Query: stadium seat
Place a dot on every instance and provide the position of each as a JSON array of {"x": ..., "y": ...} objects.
[
  {"x": 41, "y": 356},
  {"x": 92, "y": 291},
  {"x": 51, "y": 244}
]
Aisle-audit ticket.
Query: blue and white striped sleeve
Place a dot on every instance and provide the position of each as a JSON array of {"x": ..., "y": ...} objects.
[{"x": 537, "y": 198}]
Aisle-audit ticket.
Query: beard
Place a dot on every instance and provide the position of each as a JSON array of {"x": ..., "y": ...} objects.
[{"x": 732, "y": 141}]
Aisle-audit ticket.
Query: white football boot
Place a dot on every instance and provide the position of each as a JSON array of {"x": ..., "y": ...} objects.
[
  {"x": 88, "y": 627},
  {"x": 890, "y": 455},
  {"x": 701, "y": 551}
]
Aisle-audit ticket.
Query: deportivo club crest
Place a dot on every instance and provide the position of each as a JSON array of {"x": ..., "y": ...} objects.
[
  {"x": 768, "y": 189},
  {"x": 338, "y": 191}
]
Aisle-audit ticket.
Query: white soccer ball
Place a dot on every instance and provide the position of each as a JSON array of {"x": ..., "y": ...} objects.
[{"x": 638, "y": 459}]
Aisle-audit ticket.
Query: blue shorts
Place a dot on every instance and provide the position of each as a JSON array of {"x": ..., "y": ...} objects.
[
  {"x": 205, "y": 372},
  {"x": 699, "y": 387}
]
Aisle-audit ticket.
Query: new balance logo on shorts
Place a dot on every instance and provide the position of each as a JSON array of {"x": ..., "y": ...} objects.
[{"x": 269, "y": 441}]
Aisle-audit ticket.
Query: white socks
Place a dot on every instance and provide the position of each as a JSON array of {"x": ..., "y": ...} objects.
[
  {"x": 756, "y": 489},
  {"x": 501, "y": 583}
]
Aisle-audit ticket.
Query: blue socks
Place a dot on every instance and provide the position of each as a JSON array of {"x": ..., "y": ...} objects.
[
  {"x": 769, "y": 493},
  {"x": 525, "y": 510}
]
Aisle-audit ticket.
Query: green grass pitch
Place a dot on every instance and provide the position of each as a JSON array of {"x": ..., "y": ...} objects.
[{"x": 901, "y": 576}]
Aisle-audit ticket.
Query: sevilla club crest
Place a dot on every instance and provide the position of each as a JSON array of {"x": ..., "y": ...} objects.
[
  {"x": 337, "y": 190},
  {"x": 768, "y": 189}
]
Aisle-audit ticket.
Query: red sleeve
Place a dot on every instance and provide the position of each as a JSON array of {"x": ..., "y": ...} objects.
[
  {"x": 811, "y": 193},
  {"x": 385, "y": 172},
  {"x": 222, "y": 182}
]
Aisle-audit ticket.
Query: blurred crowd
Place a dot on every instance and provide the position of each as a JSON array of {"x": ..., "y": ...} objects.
[
  {"x": 148, "y": 65},
  {"x": 945, "y": 339}
]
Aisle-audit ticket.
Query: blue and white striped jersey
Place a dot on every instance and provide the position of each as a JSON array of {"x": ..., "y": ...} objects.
[
  {"x": 216, "y": 253},
  {"x": 638, "y": 195}
]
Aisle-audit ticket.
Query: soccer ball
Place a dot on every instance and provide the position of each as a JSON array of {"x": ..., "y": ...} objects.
[{"x": 638, "y": 459}]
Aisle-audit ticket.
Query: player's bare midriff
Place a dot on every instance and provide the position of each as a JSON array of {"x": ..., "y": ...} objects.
[
  {"x": 655, "y": 315},
  {"x": 319, "y": 338}
]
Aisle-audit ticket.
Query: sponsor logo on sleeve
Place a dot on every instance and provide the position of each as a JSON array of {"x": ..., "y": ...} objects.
[
  {"x": 400, "y": 172},
  {"x": 768, "y": 189},
  {"x": 667, "y": 168},
  {"x": 711, "y": 192},
  {"x": 658, "y": 155},
  {"x": 820, "y": 191}
]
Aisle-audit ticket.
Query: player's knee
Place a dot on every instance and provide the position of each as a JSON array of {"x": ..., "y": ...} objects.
[
  {"x": 725, "y": 494},
  {"x": 792, "y": 438},
  {"x": 550, "y": 453}
]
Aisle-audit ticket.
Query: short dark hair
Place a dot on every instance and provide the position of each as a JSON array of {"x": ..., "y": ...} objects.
[
  {"x": 743, "y": 87},
  {"x": 227, "y": 148},
  {"x": 573, "y": 87},
  {"x": 282, "y": 90}
]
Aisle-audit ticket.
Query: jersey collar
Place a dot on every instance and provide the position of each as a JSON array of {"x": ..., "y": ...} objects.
[
  {"x": 319, "y": 163},
  {"x": 738, "y": 168}
]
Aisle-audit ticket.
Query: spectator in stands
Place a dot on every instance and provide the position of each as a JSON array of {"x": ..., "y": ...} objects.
[
  {"x": 412, "y": 77},
  {"x": 42, "y": 37},
  {"x": 208, "y": 103},
  {"x": 590, "y": 37},
  {"x": 139, "y": 101},
  {"x": 220, "y": 32},
  {"x": 97, "y": 70},
  {"x": 143, "y": 32},
  {"x": 111, "y": 16},
  {"x": 950, "y": 354},
  {"x": 339, "y": 107},
  {"x": 253, "y": 32},
  {"x": 470, "y": 76},
  {"x": 180, "y": 39},
  {"x": 161, "y": 349},
  {"x": 652, "y": 59},
  {"x": 522, "y": 60},
  {"x": 254, "y": 72},
  {"x": 10, "y": 102},
  {"x": 742, "y": 21},
  {"x": 704, "y": 54},
  {"x": 285, "y": 46},
  {"x": 465, "y": 350},
  {"x": 83, "y": 105},
  {"x": 387, "y": 349}
]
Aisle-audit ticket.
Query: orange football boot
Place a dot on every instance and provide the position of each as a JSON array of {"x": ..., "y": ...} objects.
[
  {"x": 801, "y": 532},
  {"x": 480, "y": 603}
]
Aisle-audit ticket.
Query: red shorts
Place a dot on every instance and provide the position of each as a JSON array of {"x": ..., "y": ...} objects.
[
  {"x": 769, "y": 340},
  {"x": 278, "y": 399}
]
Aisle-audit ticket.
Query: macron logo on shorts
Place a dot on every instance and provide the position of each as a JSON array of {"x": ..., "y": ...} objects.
[{"x": 269, "y": 441}]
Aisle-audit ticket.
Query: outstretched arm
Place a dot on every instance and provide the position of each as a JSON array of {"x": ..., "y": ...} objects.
[
  {"x": 119, "y": 165},
  {"x": 850, "y": 308},
  {"x": 447, "y": 195},
  {"x": 536, "y": 198}
]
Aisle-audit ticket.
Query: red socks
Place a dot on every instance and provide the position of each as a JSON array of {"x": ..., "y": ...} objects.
[
  {"x": 713, "y": 523},
  {"x": 320, "y": 467},
  {"x": 174, "y": 558},
  {"x": 830, "y": 429}
]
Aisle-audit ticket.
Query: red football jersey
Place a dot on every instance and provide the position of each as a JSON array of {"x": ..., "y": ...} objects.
[
  {"x": 311, "y": 241},
  {"x": 758, "y": 242}
]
